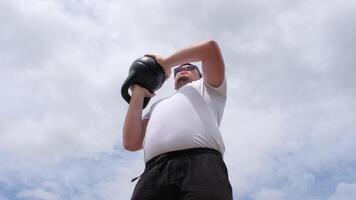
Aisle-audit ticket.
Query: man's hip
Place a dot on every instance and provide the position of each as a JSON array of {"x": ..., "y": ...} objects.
[{"x": 198, "y": 173}]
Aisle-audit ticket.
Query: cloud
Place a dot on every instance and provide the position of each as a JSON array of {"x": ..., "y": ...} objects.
[
  {"x": 98, "y": 176},
  {"x": 288, "y": 123},
  {"x": 344, "y": 191},
  {"x": 36, "y": 194},
  {"x": 269, "y": 194}
]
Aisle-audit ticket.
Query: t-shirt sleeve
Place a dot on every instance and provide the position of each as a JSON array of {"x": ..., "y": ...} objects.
[
  {"x": 220, "y": 90},
  {"x": 201, "y": 85},
  {"x": 148, "y": 114},
  {"x": 214, "y": 96}
]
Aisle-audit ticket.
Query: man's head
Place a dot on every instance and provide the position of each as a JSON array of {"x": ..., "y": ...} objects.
[{"x": 185, "y": 73}]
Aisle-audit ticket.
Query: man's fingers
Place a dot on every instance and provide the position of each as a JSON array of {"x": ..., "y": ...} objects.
[
  {"x": 159, "y": 59},
  {"x": 152, "y": 56}
]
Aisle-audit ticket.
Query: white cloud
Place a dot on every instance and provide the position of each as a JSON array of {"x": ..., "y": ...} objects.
[
  {"x": 36, "y": 194},
  {"x": 269, "y": 195},
  {"x": 344, "y": 191},
  {"x": 288, "y": 124}
]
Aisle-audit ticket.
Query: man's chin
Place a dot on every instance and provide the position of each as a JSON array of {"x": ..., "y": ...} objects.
[{"x": 183, "y": 79}]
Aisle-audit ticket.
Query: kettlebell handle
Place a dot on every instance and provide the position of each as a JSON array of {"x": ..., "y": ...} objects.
[
  {"x": 145, "y": 72},
  {"x": 125, "y": 90}
]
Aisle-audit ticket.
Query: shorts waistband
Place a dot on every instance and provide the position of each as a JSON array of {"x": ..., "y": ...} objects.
[
  {"x": 176, "y": 154},
  {"x": 181, "y": 153}
]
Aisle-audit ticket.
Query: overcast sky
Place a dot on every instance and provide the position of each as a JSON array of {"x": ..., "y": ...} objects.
[{"x": 289, "y": 123}]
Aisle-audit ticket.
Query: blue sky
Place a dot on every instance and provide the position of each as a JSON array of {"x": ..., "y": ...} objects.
[{"x": 288, "y": 125}]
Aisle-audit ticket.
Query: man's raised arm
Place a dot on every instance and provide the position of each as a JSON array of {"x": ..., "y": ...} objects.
[{"x": 208, "y": 53}]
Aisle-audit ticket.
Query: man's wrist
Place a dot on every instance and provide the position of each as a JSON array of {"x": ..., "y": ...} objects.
[
  {"x": 138, "y": 93},
  {"x": 166, "y": 64}
]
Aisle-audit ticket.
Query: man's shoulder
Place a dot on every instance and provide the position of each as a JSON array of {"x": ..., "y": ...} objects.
[{"x": 201, "y": 85}]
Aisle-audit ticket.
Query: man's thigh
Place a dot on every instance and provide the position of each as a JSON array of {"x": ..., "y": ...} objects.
[
  {"x": 154, "y": 185},
  {"x": 206, "y": 178}
]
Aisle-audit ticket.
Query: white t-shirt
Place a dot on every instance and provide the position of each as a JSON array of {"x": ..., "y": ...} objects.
[{"x": 176, "y": 123}]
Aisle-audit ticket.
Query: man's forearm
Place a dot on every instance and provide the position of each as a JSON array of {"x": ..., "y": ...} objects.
[
  {"x": 193, "y": 53},
  {"x": 208, "y": 53},
  {"x": 133, "y": 126}
]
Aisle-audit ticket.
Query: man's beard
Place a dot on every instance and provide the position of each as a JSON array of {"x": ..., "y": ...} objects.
[{"x": 182, "y": 81}]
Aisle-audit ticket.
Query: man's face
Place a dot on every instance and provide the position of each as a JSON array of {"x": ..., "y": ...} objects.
[{"x": 186, "y": 75}]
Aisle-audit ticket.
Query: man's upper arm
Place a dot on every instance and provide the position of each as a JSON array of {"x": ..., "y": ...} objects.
[{"x": 213, "y": 65}]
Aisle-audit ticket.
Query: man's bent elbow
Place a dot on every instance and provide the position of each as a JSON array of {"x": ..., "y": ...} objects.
[
  {"x": 213, "y": 46},
  {"x": 131, "y": 146}
]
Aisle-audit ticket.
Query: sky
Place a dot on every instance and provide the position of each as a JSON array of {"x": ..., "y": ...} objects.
[{"x": 289, "y": 122}]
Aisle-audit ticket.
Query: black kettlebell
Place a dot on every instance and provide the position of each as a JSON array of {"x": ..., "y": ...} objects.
[{"x": 145, "y": 72}]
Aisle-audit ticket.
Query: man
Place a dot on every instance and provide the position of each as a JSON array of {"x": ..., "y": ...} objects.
[{"x": 182, "y": 144}]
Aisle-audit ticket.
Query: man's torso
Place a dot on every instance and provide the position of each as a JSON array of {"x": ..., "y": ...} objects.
[{"x": 180, "y": 121}]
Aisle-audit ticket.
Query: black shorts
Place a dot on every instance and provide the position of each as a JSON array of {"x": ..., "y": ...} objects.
[{"x": 191, "y": 174}]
